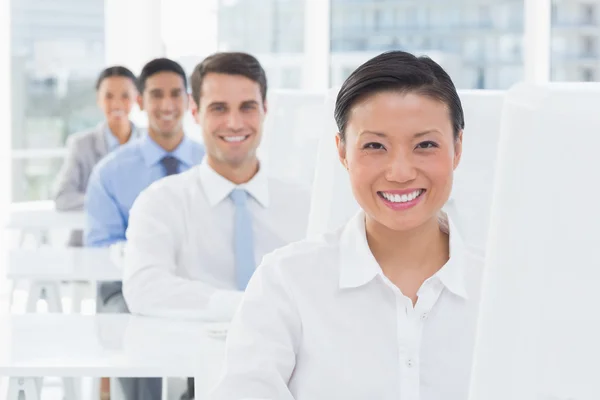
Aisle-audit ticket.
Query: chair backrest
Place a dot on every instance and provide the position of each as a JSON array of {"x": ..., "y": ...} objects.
[
  {"x": 539, "y": 321},
  {"x": 332, "y": 200},
  {"x": 472, "y": 190},
  {"x": 292, "y": 130}
]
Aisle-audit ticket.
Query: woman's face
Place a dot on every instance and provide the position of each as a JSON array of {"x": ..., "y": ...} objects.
[
  {"x": 116, "y": 96},
  {"x": 400, "y": 153}
]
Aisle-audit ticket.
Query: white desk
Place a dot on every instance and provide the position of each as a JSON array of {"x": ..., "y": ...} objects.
[
  {"x": 46, "y": 268},
  {"x": 111, "y": 345},
  {"x": 43, "y": 215},
  {"x": 63, "y": 264}
]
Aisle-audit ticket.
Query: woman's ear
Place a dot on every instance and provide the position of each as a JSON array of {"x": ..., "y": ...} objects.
[{"x": 341, "y": 147}]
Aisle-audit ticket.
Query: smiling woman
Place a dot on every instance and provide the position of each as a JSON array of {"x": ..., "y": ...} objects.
[
  {"x": 400, "y": 151},
  {"x": 386, "y": 306},
  {"x": 116, "y": 92}
]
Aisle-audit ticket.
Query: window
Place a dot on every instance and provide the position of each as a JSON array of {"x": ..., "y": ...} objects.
[
  {"x": 480, "y": 79},
  {"x": 386, "y": 19},
  {"x": 58, "y": 48},
  {"x": 588, "y": 12},
  {"x": 485, "y": 18},
  {"x": 589, "y": 46},
  {"x": 588, "y": 75},
  {"x": 377, "y": 20},
  {"x": 458, "y": 34},
  {"x": 574, "y": 51},
  {"x": 57, "y": 53},
  {"x": 277, "y": 41}
]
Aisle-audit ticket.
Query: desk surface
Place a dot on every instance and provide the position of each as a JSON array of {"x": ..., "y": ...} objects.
[
  {"x": 43, "y": 215},
  {"x": 109, "y": 345},
  {"x": 63, "y": 264}
]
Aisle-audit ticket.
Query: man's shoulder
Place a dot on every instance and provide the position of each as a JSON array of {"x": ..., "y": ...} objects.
[
  {"x": 122, "y": 157},
  {"x": 196, "y": 145},
  {"x": 176, "y": 185},
  {"x": 168, "y": 196}
]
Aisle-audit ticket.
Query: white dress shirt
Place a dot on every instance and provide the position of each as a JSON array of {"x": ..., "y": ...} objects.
[
  {"x": 320, "y": 321},
  {"x": 179, "y": 257}
]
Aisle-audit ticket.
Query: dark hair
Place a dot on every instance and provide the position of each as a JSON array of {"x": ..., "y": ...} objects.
[
  {"x": 116, "y": 70},
  {"x": 403, "y": 72},
  {"x": 231, "y": 63},
  {"x": 160, "y": 65}
]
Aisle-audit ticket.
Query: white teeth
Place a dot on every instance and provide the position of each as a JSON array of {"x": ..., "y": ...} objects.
[
  {"x": 167, "y": 117},
  {"x": 117, "y": 112},
  {"x": 402, "y": 198},
  {"x": 234, "y": 138}
]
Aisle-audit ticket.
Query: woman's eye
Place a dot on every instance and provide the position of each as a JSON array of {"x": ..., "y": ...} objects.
[
  {"x": 427, "y": 145},
  {"x": 373, "y": 146}
]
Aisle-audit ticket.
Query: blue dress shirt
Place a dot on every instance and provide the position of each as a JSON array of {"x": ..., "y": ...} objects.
[
  {"x": 112, "y": 143},
  {"x": 120, "y": 177}
]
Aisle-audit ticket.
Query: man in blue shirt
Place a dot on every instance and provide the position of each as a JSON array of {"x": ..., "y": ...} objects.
[{"x": 119, "y": 178}]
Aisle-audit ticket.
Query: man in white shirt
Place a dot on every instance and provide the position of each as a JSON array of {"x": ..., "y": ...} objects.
[{"x": 194, "y": 239}]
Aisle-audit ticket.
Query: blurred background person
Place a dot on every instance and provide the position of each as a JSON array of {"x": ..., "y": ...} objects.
[
  {"x": 119, "y": 178},
  {"x": 116, "y": 90}
]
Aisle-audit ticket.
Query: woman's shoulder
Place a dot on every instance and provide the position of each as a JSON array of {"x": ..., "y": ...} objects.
[
  {"x": 84, "y": 137},
  {"x": 314, "y": 246}
]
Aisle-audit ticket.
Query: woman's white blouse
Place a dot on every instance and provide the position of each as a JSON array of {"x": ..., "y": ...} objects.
[{"x": 320, "y": 321}]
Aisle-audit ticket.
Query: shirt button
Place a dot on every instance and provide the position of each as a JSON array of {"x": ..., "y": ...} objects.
[
  {"x": 409, "y": 363},
  {"x": 424, "y": 316}
]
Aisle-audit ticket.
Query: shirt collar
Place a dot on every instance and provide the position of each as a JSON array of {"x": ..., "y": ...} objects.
[
  {"x": 111, "y": 141},
  {"x": 153, "y": 153},
  {"x": 453, "y": 273},
  {"x": 217, "y": 187},
  {"x": 358, "y": 265}
]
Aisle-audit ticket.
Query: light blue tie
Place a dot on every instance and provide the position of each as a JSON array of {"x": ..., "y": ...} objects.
[{"x": 243, "y": 240}]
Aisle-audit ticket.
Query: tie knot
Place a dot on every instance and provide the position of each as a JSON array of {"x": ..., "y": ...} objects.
[
  {"x": 170, "y": 164},
  {"x": 239, "y": 197}
]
